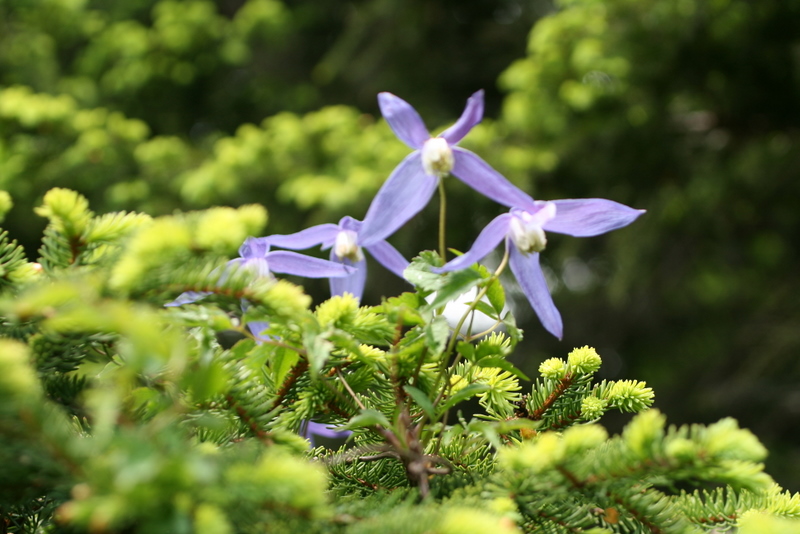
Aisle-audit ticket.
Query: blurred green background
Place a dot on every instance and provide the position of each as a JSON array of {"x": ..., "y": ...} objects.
[{"x": 687, "y": 108}]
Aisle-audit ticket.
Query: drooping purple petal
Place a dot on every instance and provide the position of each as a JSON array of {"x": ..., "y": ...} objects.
[
  {"x": 311, "y": 429},
  {"x": 471, "y": 116},
  {"x": 256, "y": 328},
  {"x": 531, "y": 279},
  {"x": 586, "y": 217},
  {"x": 403, "y": 119},
  {"x": 254, "y": 247},
  {"x": 407, "y": 190},
  {"x": 487, "y": 240},
  {"x": 316, "y": 235},
  {"x": 354, "y": 283},
  {"x": 389, "y": 257},
  {"x": 282, "y": 261},
  {"x": 479, "y": 175},
  {"x": 188, "y": 297}
]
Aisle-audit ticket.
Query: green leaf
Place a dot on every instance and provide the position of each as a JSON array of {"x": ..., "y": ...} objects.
[
  {"x": 282, "y": 361},
  {"x": 422, "y": 400},
  {"x": 419, "y": 271},
  {"x": 318, "y": 349},
  {"x": 207, "y": 381},
  {"x": 454, "y": 284},
  {"x": 502, "y": 363},
  {"x": 403, "y": 308},
  {"x": 487, "y": 310},
  {"x": 436, "y": 334},
  {"x": 462, "y": 395},
  {"x": 467, "y": 350},
  {"x": 496, "y": 296},
  {"x": 511, "y": 329},
  {"x": 366, "y": 418}
]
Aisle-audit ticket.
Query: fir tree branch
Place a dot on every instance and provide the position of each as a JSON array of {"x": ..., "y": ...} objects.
[
  {"x": 640, "y": 515},
  {"x": 262, "y": 435},
  {"x": 296, "y": 372},
  {"x": 551, "y": 399}
]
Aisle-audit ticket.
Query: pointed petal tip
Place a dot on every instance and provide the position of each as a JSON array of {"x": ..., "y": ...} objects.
[
  {"x": 587, "y": 217},
  {"x": 470, "y": 117},
  {"x": 403, "y": 119}
]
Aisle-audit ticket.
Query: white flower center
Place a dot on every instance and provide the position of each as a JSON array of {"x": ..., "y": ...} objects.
[
  {"x": 527, "y": 237},
  {"x": 526, "y": 229},
  {"x": 346, "y": 246},
  {"x": 437, "y": 157}
]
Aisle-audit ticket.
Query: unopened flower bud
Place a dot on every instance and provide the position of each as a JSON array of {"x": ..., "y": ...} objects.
[
  {"x": 346, "y": 246},
  {"x": 437, "y": 157}
]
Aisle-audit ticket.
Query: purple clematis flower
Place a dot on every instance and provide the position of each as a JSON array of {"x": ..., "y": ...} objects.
[
  {"x": 411, "y": 185},
  {"x": 345, "y": 241},
  {"x": 525, "y": 230},
  {"x": 256, "y": 257},
  {"x": 310, "y": 429}
]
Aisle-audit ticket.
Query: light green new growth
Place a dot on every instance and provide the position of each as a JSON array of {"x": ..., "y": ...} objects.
[{"x": 135, "y": 416}]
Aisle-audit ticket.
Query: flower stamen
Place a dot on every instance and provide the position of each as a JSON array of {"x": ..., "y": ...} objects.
[
  {"x": 437, "y": 157},
  {"x": 346, "y": 246}
]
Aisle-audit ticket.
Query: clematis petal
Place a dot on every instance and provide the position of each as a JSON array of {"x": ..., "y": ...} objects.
[
  {"x": 311, "y": 429},
  {"x": 471, "y": 116},
  {"x": 349, "y": 223},
  {"x": 256, "y": 328},
  {"x": 407, "y": 190},
  {"x": 531, "y": 279},
  {"x": 587, "y": 217},
  {"x": 403, "y": 119},
  {"x": 254, "y": 247},
  {"x": 316, "y": 235},
  {"x": 354, "y": 283},
  {"x": 188, "y": 297},
  {"x": 286, "y": 262},
  {"x": 487, "y": 240},
  {"x": 476, "y": 173},
  {"x": 389, "y": 257}
]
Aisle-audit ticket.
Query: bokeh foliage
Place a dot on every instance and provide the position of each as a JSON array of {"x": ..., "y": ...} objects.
[{"x": 687, "y": 108}]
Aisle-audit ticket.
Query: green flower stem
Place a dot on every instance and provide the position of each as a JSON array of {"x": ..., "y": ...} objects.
[
  {"x": 442, "y": 220},
  {"x": 482, "y": 293},
  {"x": 454, "y": 339}
]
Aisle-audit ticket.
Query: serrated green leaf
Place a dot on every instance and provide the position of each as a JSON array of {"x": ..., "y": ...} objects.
[
  {"x": 454, "y": 284},
  {"x": 437, "y": 333},
  {"x": 366, "y": 418},
  {"x": 422, "y": 400},
  {"x": 502, "y": 363},
  {"x": 419, "y": 271},
  {"x": 403, "y": 308}
]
